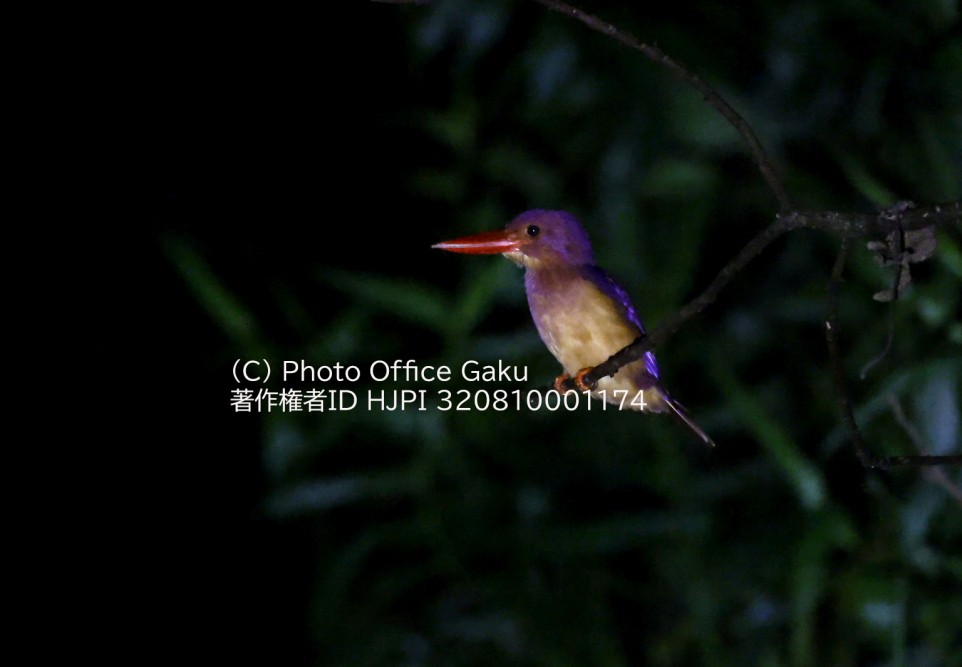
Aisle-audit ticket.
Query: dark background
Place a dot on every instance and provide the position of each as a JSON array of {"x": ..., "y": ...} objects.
[{"x": 290, "y": 170}]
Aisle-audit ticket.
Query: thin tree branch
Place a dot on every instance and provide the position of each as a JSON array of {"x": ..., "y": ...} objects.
[
  {"x": 908, "y": 426},
  {"x": 661, "y": 333},
  {"x": 711, "y": 96},
  {"x": 835, "y": 359},
  {"x": 904, "y": 215},
  {"x": 935, "y": 474}
]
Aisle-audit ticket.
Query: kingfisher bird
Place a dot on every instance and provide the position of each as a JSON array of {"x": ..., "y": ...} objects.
[{"x": 581, "y": 313}]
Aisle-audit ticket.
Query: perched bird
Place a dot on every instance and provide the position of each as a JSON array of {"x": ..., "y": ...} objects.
[{"x": 582, "y": 314}]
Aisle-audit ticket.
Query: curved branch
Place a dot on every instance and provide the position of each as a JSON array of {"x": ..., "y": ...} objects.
[
  {"x": 849, "y": 226},
  {"x": 660, "y": 334},
  {"x": 711, "y": 96}
]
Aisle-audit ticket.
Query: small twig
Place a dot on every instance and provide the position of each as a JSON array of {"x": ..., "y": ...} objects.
[
  {"x": 711, "y": 96},
  {"x": 838, "y": 373},
  {"x": 937, "y": 475},
  {"x": 835, "y": 358},
  {"x": 904, "y": 422}
]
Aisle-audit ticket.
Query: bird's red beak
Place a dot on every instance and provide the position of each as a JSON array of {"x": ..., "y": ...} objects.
[{"x": 486, "y": 243}]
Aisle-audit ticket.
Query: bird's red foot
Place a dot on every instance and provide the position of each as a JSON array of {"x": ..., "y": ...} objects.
[
  {"x": 559, "y": 383},
  {"x": 580, "y": 378}
]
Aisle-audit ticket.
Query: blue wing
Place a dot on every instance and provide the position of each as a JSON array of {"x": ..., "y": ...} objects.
[{"x": 610, "y": 287}]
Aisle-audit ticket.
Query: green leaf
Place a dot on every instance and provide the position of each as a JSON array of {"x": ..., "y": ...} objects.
[
  {"x": 223, "y": 307},
  {"x": 870, "y": 187},
  {"x": 805, "y": 477},
  {"x": 407, "y": 300}
]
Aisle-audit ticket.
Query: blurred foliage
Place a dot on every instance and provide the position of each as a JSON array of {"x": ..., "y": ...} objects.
[{"x": 590, "y": 538}]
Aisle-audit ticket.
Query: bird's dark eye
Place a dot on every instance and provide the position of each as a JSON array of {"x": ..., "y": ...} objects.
[{"x": 533, "y": 230}]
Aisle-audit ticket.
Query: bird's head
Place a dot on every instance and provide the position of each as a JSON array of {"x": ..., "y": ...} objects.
[{"x": 535, "y": 239}]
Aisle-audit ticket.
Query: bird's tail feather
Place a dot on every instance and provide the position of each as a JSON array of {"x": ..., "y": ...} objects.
[{"x": 679, "y": 413}]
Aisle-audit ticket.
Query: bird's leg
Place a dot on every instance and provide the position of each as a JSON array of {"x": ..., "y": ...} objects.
[
  {"x": 580, "y": 378},
  {"x": 559, "y": 383}
]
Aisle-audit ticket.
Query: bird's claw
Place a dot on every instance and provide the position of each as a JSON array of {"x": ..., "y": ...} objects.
[{"x": 580, "y": 378}]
